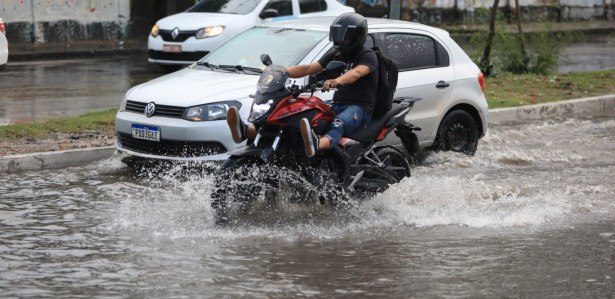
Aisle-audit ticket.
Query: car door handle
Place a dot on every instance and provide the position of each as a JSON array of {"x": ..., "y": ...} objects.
[{"x": 442, "y": 85}]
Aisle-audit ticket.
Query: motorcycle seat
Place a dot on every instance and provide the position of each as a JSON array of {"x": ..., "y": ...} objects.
[{"x": 370, "y": 132}]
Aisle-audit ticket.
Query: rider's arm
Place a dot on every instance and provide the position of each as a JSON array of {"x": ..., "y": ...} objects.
[
  {"x": 303, "y": 70},
  {"x": 348, "y": 78}
]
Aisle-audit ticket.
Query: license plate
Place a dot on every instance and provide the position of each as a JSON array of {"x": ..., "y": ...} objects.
[
  {"x": 145, "y": 132},
  {"x": 172, "y": 48}
]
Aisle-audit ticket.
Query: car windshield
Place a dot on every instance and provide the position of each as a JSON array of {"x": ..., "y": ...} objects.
[
  {"x": 285, "y": 46},
  {"x": 240, "y": 7}
]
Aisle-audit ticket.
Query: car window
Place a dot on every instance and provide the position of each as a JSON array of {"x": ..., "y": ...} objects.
[
  {"x": 414, "y": 51},
  {"x": 285, "y": 46},
  {"x": 369, "y": 42},
  {"x": 308, "y": 6},
  {"x": 284, "y": 7},
  {"x": 240, "y": 7}
]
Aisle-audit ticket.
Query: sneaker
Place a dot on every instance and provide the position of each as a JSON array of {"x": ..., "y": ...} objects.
[
  {"x": 238, "y": 128},
  {"x": 310, "y": 140}
]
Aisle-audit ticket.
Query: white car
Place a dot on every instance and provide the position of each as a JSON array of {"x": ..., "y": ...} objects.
[
  {"x": 186, "y": 37},
  {"x": 4, "y": 45},
  {"x": 181, "y": 116}
]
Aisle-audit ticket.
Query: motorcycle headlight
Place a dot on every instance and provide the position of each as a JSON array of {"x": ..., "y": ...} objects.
[
  {"x": 123, "y": 105},
  {"x": 259, "y": 110},
  {"x": 154, "y": 31},
  {"x": 209, "y": 31},
  {"x": 208, "y": 112}
]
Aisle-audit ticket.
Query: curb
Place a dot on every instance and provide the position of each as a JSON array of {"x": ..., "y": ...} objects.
[
  {"x": 59, "y": 159},
  {"x": 602, "y": 106}
]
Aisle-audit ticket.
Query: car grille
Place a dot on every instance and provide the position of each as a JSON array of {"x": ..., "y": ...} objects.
[
  {"x": 181, "y": 37},
  {"x": 170, "y": 148},
  {"x": 182, "y": 56},
  {"x": 161, "y": 110}
]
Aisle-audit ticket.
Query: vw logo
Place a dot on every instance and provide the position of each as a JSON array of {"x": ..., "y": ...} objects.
[
  {"x": 175, "y": 33},
  {"x": 150, "y": 109}
]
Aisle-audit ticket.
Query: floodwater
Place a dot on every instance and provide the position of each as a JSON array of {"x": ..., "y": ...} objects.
[
  {"x": 531, "y": 215},
  {"x": 41, "y": 90}
]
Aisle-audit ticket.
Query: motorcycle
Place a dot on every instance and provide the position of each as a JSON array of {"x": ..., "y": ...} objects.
[{"x": 357, "y": 165}]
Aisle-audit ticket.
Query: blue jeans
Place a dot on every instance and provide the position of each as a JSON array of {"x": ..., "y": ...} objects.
[{"x": 348, "y": 119}]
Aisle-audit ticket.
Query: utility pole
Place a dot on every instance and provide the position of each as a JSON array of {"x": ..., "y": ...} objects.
[{"x": 395, "y": 10}]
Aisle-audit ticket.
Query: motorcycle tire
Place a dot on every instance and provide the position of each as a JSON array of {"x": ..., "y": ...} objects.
[
  {"x": 396, "y": 168},
  {"x": 458, "y": 132},
  {"x": 236, "y": 186}
]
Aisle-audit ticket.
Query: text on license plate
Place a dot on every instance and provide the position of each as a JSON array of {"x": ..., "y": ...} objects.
[
  {"x": 145, "y": 132},
  {"x": 172, "y": 48}
]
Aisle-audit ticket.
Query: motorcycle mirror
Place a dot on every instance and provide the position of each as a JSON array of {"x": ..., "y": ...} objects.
[
  {"x": 266, "y": 60},
  {"x": 312, "y": 80},
  {"x": 335, "y": 66}
]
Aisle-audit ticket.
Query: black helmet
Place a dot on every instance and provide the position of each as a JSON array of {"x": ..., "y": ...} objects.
[{"x": 348, "y": 32}]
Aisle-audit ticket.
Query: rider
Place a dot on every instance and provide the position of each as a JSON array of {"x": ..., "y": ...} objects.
[{"x": 355, "y": 98}]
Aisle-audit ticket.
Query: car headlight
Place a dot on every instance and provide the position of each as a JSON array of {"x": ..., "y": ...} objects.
[
  {"x": 155, "y": 30},
  {"x": 209, "y": 31},
  {"x": 123, "y": 105},
  {"x": 214, "y": 111},
  {"x": 259, "y": 110}
]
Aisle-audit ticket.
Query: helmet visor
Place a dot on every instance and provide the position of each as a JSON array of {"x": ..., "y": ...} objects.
[{"x": 340, "y": 33}]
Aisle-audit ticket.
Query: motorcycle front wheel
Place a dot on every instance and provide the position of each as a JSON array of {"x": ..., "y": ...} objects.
[{"x": 237, "y": 185}]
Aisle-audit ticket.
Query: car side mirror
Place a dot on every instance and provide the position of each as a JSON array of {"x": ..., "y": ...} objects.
[
  {"x": 266, "y": 60},
  {"x": 268, "y": 13}
]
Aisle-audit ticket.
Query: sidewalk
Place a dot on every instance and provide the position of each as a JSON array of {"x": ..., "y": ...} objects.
[{"x": 74, "y": 49}]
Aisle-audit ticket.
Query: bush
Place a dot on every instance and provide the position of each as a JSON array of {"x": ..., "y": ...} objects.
[{"x": 544, "y": 51}]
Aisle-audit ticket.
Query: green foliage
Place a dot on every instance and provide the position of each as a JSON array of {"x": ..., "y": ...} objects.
[{"x": 544, "y": 50}]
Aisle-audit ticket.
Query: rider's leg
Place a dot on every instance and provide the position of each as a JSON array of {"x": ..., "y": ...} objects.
[
  {"x": 239, "y": 130},
  {"x": 348, "y": 119}
]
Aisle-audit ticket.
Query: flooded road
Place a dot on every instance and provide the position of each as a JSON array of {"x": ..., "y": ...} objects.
[
  {"x": 531, "y": 215},
  {"x": 42, "y": 90}
]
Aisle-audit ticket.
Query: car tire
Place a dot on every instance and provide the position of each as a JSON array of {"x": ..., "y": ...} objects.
[{"x": 458, "y": 132}]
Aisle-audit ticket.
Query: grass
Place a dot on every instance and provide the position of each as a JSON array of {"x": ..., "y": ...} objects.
[
  {"x": 508, "y": 90},
  {"x": 504, "y": 90},
  {"x": 95, "y": 121}
]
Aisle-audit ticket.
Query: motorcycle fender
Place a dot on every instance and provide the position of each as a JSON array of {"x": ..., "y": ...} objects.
[{"x": 264, "y": 154}]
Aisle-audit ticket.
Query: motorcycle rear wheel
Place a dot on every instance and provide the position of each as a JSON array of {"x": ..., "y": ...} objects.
[{"x": 395, "y": 167}]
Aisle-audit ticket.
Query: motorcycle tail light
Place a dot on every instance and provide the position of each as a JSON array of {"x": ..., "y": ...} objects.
[{"x": 2, "y": 28}]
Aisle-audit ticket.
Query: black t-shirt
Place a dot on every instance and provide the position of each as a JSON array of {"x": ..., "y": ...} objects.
[{"x": 363, "y": 91}]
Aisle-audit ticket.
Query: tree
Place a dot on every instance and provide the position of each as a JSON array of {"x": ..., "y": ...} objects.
[{"x": 485, "y": 63}]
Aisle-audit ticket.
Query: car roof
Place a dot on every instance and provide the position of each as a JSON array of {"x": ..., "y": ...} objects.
[{"x": 323, "y": 23}]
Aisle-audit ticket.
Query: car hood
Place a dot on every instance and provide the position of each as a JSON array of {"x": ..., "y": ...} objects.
[
  {"x": 191, "y": 87},
  {"x": 198, "y": 20}
]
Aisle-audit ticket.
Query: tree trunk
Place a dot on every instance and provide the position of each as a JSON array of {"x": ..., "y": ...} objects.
[
  {"x": 521, "y": 37},
  {"x": 485, "y": 62}
]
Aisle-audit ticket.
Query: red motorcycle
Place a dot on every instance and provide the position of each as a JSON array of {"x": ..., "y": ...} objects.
[{"x": 274, "y": 163}]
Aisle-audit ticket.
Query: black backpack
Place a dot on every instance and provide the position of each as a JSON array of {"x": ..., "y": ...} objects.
[{"x": 387, "y": 82}]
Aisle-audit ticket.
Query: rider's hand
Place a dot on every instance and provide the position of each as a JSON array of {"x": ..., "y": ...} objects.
[{"x": 331, "y": 83}]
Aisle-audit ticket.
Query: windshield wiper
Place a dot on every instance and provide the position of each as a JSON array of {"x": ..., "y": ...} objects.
[
  {"x": 240, "y": 68},
  {"x": 207, "y": 64}
]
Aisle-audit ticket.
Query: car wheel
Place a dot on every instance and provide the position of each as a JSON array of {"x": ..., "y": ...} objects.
[{"x": 458, "y": 132}]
